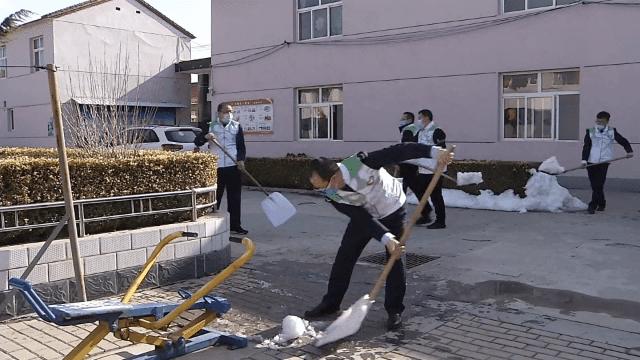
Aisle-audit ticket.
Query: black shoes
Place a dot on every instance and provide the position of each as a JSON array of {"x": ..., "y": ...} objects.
[
  {"x": 591, "y": 210},
  {"x": 394, "y": 322},
  {"x": 437, "y": 225},
  {"x": 239, "y": 231},
  {"x": 321, "y": 310},
  {"x": 424, "y": 220},
  {"x": 600, "y": 208}
]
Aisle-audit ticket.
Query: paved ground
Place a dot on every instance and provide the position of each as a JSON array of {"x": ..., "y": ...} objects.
[{"x": 505, "y": 286}]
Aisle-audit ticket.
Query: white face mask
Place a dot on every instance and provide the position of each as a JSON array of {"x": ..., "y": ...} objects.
[
  {"x": 226, "y": 118},
  {"x": 420, "y": 124},
  {"x": 404, "y": 122}
]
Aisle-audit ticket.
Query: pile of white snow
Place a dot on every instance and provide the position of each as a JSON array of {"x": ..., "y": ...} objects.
[
  {"x": 469, "y": 178},
  {"x": 551, "y": 166},
  {"x": 293, "y": 328},
  {"x": 543, "y": 193}
]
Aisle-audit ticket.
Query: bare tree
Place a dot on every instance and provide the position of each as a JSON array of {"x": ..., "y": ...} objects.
[
  {"x": 104, "y": 105},
  {"x": 12, "y": 21}
]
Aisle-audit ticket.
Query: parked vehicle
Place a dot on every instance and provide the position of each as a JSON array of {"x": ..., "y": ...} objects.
[{"x": 169, "y": 138}]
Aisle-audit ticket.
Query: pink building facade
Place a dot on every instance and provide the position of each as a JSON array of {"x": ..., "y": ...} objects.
[{"x": 506, "y": 79}]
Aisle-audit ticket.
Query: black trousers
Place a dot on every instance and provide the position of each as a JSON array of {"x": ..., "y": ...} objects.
[
  {"x": 353, "y": 243},
  {"x": 597, "y": 177},
  {"x": 409, "y": 175},
  {"x": 229, "y": 178},
  {"x": 436, "y": 196}
]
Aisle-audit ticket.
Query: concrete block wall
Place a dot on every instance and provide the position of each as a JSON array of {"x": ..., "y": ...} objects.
[{"x": 112, "y": 260}]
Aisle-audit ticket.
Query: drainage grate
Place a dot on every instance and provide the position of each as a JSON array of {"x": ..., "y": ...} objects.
[{"x": 411, "y": 259}]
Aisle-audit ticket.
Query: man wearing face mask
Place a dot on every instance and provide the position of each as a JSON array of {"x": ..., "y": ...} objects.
[
  {"x": 361, "y": 188},
  {"x": 228, "y": 133},
  {"x": 408, "y": 172},
  {"x": 598, "y": 147},
  {"x": 430, "y": 134}
]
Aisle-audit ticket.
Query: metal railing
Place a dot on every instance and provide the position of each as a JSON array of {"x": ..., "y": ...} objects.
[{"x": 141, "y": 205}]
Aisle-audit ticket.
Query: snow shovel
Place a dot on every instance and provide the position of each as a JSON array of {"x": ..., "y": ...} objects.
[
  {"x": 276, "y": 207},
  {"x": 349, "y": 322},
  {"x": 586, "y": 166}
]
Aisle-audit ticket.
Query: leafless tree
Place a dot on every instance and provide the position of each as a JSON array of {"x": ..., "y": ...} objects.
[
  {"x": 12, "y": 21},
  {"x": 105, "y": 104}
]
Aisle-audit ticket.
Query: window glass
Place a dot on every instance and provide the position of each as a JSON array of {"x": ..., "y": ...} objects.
[
  {"x": 336, "y": 20},
  {"x": 514, "y": 5},
  {"x": 307, "y": 3},
  {"x": 333, "y": 94},
  {"x": 540, "y": 117},
  {"x": 184, "y": 136},
  {"x": 561, "y": 81},
  {"x": 533, "y": 4},
  {"x": 569, "y": 117},
  {"x": 308, "y": 96},
  {"x": 304, "y": 25},
  {"x": 514, "y": 112},
  {"x": 320, "y": 23},
  {"x": 521, "y": 83}
]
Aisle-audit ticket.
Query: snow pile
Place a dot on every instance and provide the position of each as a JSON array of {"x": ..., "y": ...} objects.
[
  {"x": 293, "y": 330},
  {"x": 542, "y": 190},
  {"x": 469, "y": 178},
  {"x": 551, "y": 166},
  {"x": 347, "y": 324}
]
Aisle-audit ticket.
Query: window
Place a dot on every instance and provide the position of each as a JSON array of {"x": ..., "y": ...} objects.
[
  {"x": 320, "y": 113},
  {"x": 3, "y": 62},
  {"x": 10, "y": 122},
  {"x": 135, "y": 136},
  {"x": 522, "y": 5},
  {"x": 37, "y": 46},
  {"x": 185, "y": 136},
  {"x": 319, "y": 19},
  {"x": 541, "y": 105}
]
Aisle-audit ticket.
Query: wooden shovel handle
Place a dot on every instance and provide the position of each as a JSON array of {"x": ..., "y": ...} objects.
[
  {"x": 408, "y": 227},
  {"x": 243, "y": 170}
]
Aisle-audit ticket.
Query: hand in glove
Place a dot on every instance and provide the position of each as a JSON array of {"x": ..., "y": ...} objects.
[
  {"x": 444, "y": 160},
  {"x": 241, "y": 165},
  {"x": 210, "y": 137},
  {"x": 389, "y": 240},
  {"x": 583, "y": 163}
]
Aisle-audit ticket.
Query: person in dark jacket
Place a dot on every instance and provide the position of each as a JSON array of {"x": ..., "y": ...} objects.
[
  {"x": 598, "y": 148},
  {"x": 229, "y": 134},
  {"x": 430, "y": 134},
  {"x": 409, "y": 173},
  {"x": 363, "y": 190}
]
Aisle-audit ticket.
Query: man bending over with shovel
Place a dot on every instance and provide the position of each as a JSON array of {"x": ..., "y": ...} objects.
[{"x": 362, "y": 189}]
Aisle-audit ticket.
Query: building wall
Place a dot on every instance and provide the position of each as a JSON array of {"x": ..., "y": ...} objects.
[
  {"x": 456, "y": 76},
  {"x": 139, "y": 48},
  {"x": 25, "y": 91}
]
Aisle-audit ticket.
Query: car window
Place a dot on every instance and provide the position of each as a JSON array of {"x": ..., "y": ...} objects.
[
  {"x": 184, "y": 136},
  {"x": 142, "y": 136}
]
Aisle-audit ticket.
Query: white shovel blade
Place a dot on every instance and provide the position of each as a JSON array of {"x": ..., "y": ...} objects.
[
  {"x": 278, "y": 209},
  {"x": 347, "y": 324}
]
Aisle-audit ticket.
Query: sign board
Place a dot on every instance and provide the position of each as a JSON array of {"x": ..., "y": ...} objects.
[{"x": 255, "y": 116}]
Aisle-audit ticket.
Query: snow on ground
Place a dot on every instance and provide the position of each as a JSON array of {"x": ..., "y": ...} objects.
[
  {"x": 542, "y": 190},
  {"x": 295, "y": 332}
]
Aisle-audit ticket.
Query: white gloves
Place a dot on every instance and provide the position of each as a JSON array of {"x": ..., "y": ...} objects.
[
  {"x": 389, "y": 240},
  {"x": 583, "y": 162}
]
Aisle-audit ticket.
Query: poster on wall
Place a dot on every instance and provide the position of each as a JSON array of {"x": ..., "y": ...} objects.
[{"x": 255, "y": 116}]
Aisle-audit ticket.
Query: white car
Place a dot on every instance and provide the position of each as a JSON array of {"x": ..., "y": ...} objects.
[{"x": 170, "y": 138}]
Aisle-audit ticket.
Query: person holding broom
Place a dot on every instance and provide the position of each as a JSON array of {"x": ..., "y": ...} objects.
[
  {"x": 598, "y": 148},
  {"x": 363, "y": 190}
]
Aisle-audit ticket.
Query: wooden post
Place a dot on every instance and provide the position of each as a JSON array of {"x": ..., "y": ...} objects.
[{"x": 66, "y": 181}]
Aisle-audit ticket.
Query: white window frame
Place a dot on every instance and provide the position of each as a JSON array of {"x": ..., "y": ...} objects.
[
  {"x": 311, "y": 9},
  {"x": 316, "y": 105},
  {"x": 526, "y": 7},
  {"x": 555, "y": 113},
  {"x": 3, "y": 62},
  {"x": 11, "y": 125},
  {"x": 37, "y": 52}
]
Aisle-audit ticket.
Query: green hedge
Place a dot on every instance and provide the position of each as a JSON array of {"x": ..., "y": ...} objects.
[
  {"x": 293, "y": 173},
  {"x": 29, "y": 176}
]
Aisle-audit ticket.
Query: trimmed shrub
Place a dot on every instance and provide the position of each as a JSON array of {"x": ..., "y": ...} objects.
[
  {"x": 293, "y": 173},
  {"x": 30, "y": 175}
]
